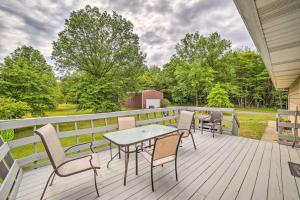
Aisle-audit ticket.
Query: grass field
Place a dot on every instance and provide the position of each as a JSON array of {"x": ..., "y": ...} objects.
[{"x": 252, "y": 125}]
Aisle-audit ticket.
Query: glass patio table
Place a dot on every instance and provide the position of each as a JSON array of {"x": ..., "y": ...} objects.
[{"x": 133, "y": 136}]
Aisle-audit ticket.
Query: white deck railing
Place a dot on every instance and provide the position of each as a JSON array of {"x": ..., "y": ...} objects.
[
  {"x": 159, "y": 115},
  {"x": 287, "y": 128}
]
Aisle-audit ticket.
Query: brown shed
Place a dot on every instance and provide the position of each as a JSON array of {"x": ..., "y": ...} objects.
[{"x": 145, "y": 99}]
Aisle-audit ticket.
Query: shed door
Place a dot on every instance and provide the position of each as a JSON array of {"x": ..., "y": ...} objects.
[{"x": 153, "y": 103}]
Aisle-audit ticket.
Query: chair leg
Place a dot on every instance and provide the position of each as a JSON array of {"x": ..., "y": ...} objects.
[
  {"x": 45, "y": 188},
  {"x": 194, "y": 126},
  {"x": 176, "y": 169},
  {"x": 136, "y": 163},
  {"x": 95, "y": 179},
  {"x": 193, "y": 140},
  {"x": 52, "y": 180},
  {"x": 221, "y": 129},
  {"x": 201, "y": 127},
  {"x": 110, "y": 150},
  {"x": 152, "y": 178},
  {"x": 119, "y": 152}
]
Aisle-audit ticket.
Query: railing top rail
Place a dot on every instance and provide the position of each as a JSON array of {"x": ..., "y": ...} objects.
[
  {"x": 224, "y": 110},
  {"x": 287, "y": 112},
  {"x": 20, "y": 123}
]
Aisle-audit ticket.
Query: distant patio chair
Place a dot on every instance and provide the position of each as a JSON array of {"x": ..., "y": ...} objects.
[
  {"x": 185, "y": 123},
  {"x": 212, "y": 121},
  {"x": 164, "y": 151},
  {"x": 64, "y": 166},
  {"x": 126, "y": 123},
  {"x": 123, "y": 124}
]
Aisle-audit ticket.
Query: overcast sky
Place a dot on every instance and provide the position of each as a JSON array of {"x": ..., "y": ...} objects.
[{"x": 160, "y": 24}]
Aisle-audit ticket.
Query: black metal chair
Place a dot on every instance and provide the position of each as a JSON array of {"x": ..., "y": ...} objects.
[
  {"x": 211, "y": 122},
  {"x": 64, "y": 166}
]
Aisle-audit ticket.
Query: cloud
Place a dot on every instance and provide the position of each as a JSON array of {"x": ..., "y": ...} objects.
[{"x": 160, "y": 24}]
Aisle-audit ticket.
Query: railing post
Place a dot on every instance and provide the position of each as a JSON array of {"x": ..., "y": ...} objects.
[
  {"x": 235, "y": 125},
  {"x": 93, "y": 133},
  {"x": 76, "y": 133},
  {"x": 106, "y": 124},
  {"x": 155, "y": 116},
  {"x": 147, "y": 114},
  {"x": 34, "y": 145}
]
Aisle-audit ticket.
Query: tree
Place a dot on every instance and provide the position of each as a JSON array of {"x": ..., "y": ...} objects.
[
  {"x": 26, "y": 77},
  {"x": 103, "y": 50},
  {"x": 12, "y": 109},
  {"x": 98, "y": 94},
  {"x": 198, "y": 62},
  {"x": 97, "y": 43},
  {"x": 150, "y": 78},
  {"x": 218, "y": 97}
]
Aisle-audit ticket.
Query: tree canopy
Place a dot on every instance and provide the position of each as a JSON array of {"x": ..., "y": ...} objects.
[
  {"x": 218, "y": 97},
  {"x": 26, "y": 77},
  {"x": 100, "y": 60},
  {"x": 104, "y": 53},
  {"x": 201, "y": 62},
  {"x": 99, "y": 44}
]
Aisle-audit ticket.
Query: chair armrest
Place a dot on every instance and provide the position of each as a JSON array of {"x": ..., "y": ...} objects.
[
  {"x": 182, "y": 129},
  {"x": 205, "y": 119},
  {"x": 188, "y": 130},
  {"x": 91, "y": 146},
  {"x": 217, "y": 120}
]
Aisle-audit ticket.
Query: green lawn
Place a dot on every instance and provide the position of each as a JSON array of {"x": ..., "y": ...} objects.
[{"x": 251, "y": 126}]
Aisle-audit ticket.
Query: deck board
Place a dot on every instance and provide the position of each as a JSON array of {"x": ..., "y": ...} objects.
[
  {"x": 289, "y": 184},
  {"x": 219, "y": 188},
  {"x": 275, "y": 180},
  {"x": 260, "y": 190},
  {"x": 224, "y": 167}
]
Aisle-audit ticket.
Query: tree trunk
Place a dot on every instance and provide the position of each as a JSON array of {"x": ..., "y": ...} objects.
[{"x": 197, "y": 99}]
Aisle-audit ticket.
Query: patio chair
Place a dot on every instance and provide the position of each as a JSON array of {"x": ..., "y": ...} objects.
[
  {"x": 164, "y": 151},
  {"x": 126, "y": 123},
  {"x": 215, "y": 119},
  {"x": 64, "y": 166},
  {"x": 123, "y": 124},
  {"x": 185, "y": 124}
]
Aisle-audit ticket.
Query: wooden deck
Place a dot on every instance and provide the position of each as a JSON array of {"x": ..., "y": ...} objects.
[{"x": 224, "y": 167}]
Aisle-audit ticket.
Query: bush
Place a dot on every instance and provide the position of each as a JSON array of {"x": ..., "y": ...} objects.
[
  {"x": 165, "y": 103},
  {"x": 218, "y": 97},
  {"x": 12, "y": 109},
  {"x": 7, "y": 135}
]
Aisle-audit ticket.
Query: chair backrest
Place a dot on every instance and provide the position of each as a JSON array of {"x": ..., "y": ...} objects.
[
  {"x": 166, "y": 146},
  {"x": 51, "y": 142},
  {"x": 216, "y": 115},
  {"x": 126, "y": 123},
  {"x": 185, "y": 120}
]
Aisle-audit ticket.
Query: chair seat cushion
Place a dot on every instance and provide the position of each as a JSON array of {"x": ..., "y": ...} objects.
[
  {"x": 148, "y": 157},
  {"x": 82, "y": 164}
]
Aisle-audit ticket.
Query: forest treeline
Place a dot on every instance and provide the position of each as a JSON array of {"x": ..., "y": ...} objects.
[{"x": 98, "y": 59}]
